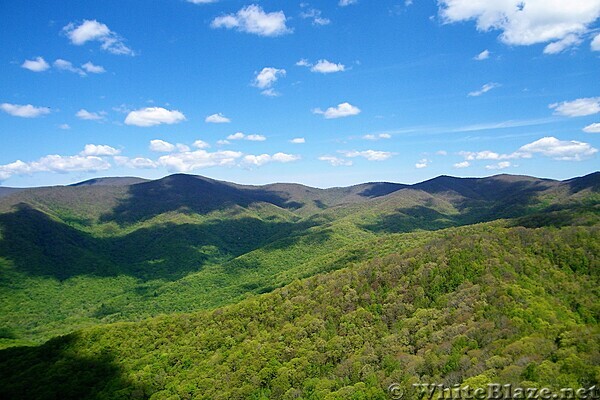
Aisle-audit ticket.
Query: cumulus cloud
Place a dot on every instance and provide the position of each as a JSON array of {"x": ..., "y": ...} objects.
[
  {"x": 377, "y": 137},
  {"x": 99, "y": 150},
  {"x": 200, "y": 144},
  {"x": 192, "y": 160},
  {"x": 24, "y": 111},
  {"x": 484, "y": 89},
  {"x": 322, "y": 66},
  {"x": 89, "y": 67},
  {"x": 595, "y": 45},
  {"x": 592, "y": 128},
  {"x": 315, "y": 15},
  {"x": 217, "y": 119},
  {"x": 423, "y": 163},
  {"x": 561, "y": 45},
  {"x": 527, "y": 23},
  {"x": 565, "y": 150},
  {"x": 371, "y": 155},
  {"x": 344, "y": 3},
  {"x": 37, "y": 65},
  {"x": 92, "y": 30},
  {"x": 253, "y": 19},
  {"x": 90, "y": 116},
  {"x": 152, "y": 116},
  {"x": 484, "y": 55},
  {"x": 463, "y": 164},
  {"x": 242, "y": 136},
  {"x": 135, "y": 163},
  {"x": 489, "y": 155},
  {"x": 336, "y": 161},
  {"x": 500, "y": 165},
  {"x": 64, "y": 65},
  {"x": 266, "y": 78},
  {"x": 342, "y": 110},
  {"x": 161, "y": 146},
  {"x": 258, "y": 160},
  {"x": 298, "y": 140},
  {"x": 64, "y": 126},
  {"x": 577, "y": 108},
  {"x": 55, "y": 163}
]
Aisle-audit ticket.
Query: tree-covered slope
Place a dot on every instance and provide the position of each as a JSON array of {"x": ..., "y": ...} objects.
[
  {"x": 108, "y": 250},
  {"x": 471, "y": 305}
]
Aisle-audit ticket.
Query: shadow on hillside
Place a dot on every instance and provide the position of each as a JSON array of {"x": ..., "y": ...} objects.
[
  {"x": 188, "y": 193},
  {"x": 39, "y": 245},
  {"x": 52, "y": 371}
]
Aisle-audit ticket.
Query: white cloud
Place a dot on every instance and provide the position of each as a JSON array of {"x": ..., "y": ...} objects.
[
  {"x": 161, "y": 146},
  {"x": 270, "y": 93},
  {"x": 258, "y": 160},
  {"x": 37, "y": 65},
  {"x": 500, "y": 165},
  {"x": 571, "y": 150},
  {"x": 65, "y": 65},
  {"x": 316, "y": 17},
  {"x": 322, "y": 66},
  {"x": 242, "y": 136},
  {"x": 252, "y": 19},
  {"x": 525, "y": 22},
  {"x": 256, "y": 138},
  {"x": 99, "y": 150},
  {"x": 236, "y": 136},
  {"x": 577, "y": 108},
  {"x": 303, "y": 63},
  {"x": 64, "y": 126},
  {"x": 595, "y": 44},
  {"x": 92, "y": 30},
  {"x": 135, "y": 163},
  {"x": 192, "y": 160},
  {"x": 54, "y": 163},
  {"x": 423, "y": 163},
  {"x": 327, "y": 67},
  {"x": 152, "y": 116},
  {"x": 441, "y": 153},
  {"x": 200, "y": 144},
  {"x": 463, "y": 164},
  {"x": 24, "y": 111},
  {"x": 267, "y": 77},
  {"x": 298, "y": 140},
  {"x": 93, "y": 69},
  {"x": 285, "y": 158},
  {"x": 484, "y": 89},
  {"x": 484, "y": 55},
  {"x": 336, "y": 161},
  {"x": 371, "y": 155},
  {"x": 488, "y": 155},
  {"x": 223, "y": 142},
  {"x": 217, "y": 119},
  {"x": 90, "y": 116},
  {"x": 377, "y": 137},
  {"x": 593, "y": 128},
  {"x": 561, "y": 45},
  {"x": 342, "y": 110},
  {"x": 202, "y": 1},
  {"x": 344, "y": 3}
]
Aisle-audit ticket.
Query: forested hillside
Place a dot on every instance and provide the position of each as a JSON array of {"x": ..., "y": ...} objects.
[
  {"x": 471, "y": 305},
  {"x": 124, "y": 249}
]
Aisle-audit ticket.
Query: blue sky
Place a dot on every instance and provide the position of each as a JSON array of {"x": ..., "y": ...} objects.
[{"x": 325, "y": 93}]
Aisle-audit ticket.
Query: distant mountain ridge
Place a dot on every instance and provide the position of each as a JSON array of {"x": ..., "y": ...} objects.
[{"x": 128, "y": 248}]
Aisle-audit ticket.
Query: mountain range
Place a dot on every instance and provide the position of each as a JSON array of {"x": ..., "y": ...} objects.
[{"x": 88, "y": 257}]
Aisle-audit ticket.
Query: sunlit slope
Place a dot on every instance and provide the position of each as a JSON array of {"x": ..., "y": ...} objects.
[{"x": 471, "y": 305}]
